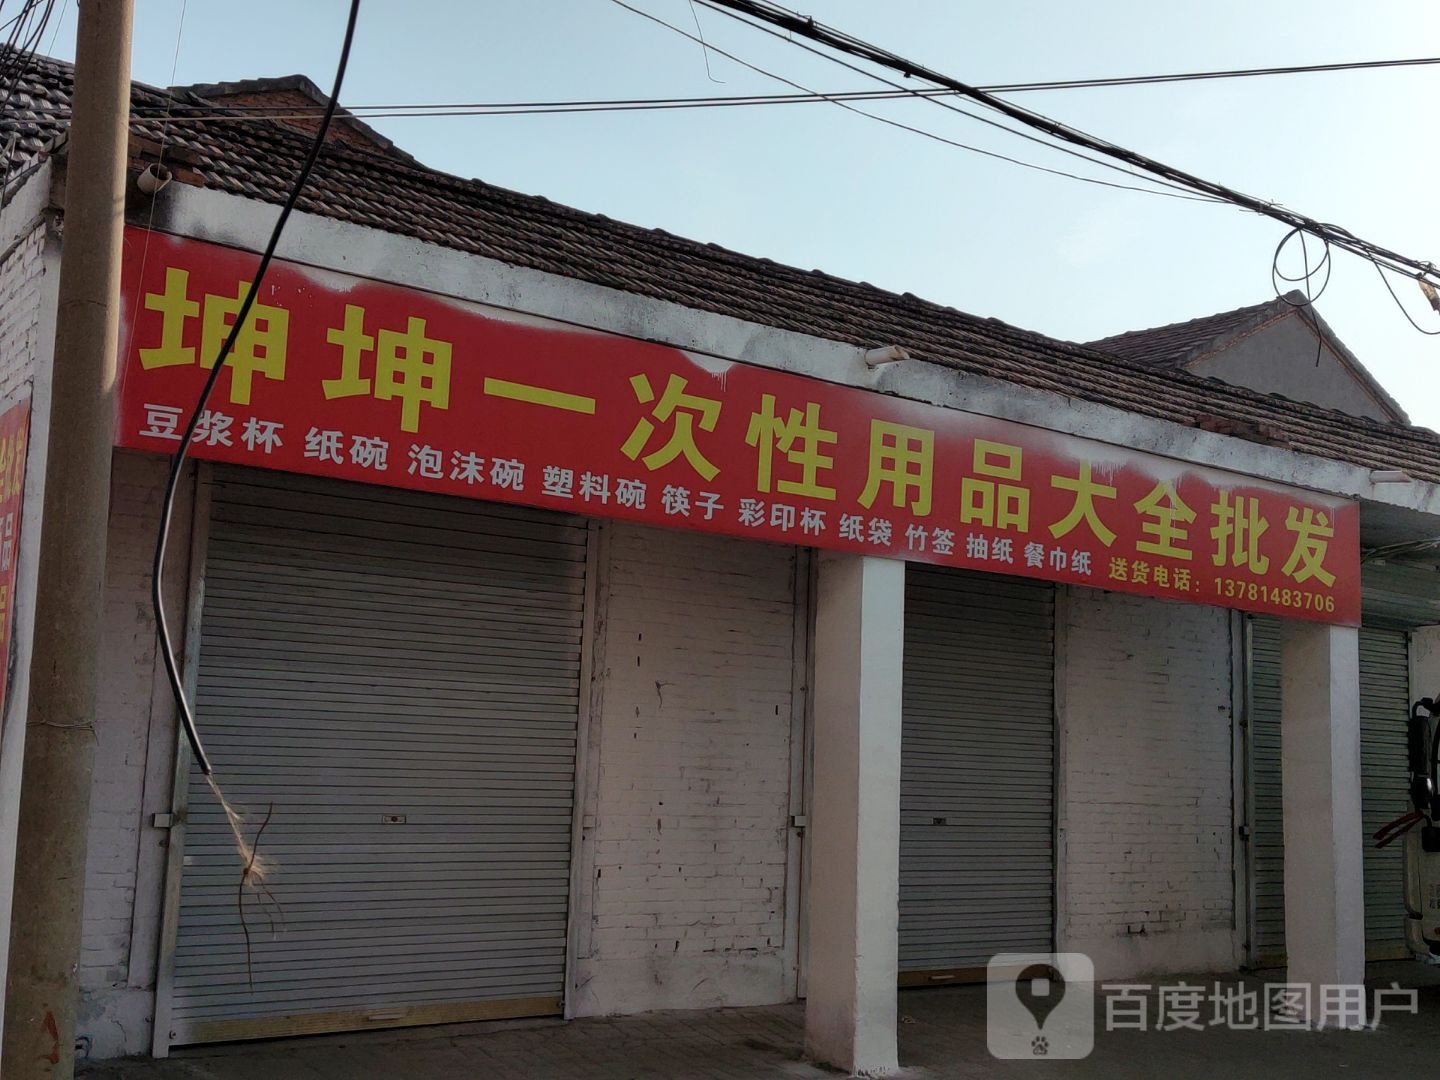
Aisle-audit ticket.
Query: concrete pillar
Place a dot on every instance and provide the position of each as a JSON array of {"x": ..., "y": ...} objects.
[
  {"x": 1320, "y": 786},
  {"x": 854, "y": 834}
]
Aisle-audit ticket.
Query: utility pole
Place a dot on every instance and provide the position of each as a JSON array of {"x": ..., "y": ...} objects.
[{"x": 59, "y": 750}]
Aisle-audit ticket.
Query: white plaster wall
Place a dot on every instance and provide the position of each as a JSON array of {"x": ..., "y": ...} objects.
[
  {"x": 687, "y": 893},
  {"x": 28, "y": 279},
  {"x": 1146, "y": 814},
  {"x": 134, "y": 763},
  {"x": 1286, "y": 358}
]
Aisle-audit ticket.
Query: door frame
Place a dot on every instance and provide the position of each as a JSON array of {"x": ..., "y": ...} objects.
[{"x": 161, "y": 1034}]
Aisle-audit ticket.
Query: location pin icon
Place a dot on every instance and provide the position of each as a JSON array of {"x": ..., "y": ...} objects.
[{"x": 1040, "y": 988}]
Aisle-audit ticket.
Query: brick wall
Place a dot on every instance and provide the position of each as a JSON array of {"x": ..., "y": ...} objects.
[
  {"x": 134, "y": 758},
  {"x": 690, "y": 842},
  {"x": 25, "y": 333},
  {"x": 21, "y": 281},
  {"x": 1147, "y": 872}
]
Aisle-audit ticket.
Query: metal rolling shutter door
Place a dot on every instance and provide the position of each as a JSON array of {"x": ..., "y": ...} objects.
[
  {"x": 1267, "y": 835},
  {"x": 397, "y": 674},
  {"x": 1384, "y": 708},
  {"x": 977, "y": 859},
  {"x": 1384, "y": 705}
]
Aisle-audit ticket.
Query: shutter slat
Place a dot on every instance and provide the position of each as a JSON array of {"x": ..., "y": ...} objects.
[
  {"x": 977, "y": 856},
  {"x": 393, "y": 677}
]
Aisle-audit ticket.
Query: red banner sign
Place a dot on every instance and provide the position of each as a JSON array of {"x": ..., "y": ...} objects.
[
  {"x": 14, "y": 438},
  {"x": 345, "y": 377}
]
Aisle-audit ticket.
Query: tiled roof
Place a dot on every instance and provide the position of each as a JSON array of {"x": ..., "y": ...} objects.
[
  {"x": 258, "y": 159},
  {"x": 1180, "y": 345},
  {"x": 1176, "y": 345}
]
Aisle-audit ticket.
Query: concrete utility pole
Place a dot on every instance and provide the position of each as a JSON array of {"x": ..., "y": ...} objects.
[{"x": 59, "y": 732}]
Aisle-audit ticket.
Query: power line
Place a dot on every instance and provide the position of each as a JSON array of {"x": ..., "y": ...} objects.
[
  {"x": 26, "y": 29},
  {"x": 936, "y": 100},
  {"x": 766, "y": 16},
  {"x": 505, "y": 108},
  {"x": 921, "y": 131},
  {"x": 1200, "y": 76}
]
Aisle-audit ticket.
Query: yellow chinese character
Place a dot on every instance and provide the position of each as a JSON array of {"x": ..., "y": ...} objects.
[
  {"x": 414, "y": 368},
  {"x": 1001, "y": 506},
  {"x": 1241, "y": 525},
  {"x": 1086, "y": 490},
  {"x": 800, "y": 438},
  {"x": 540, "y": 395},
  {"x": 408, "y": 365},
  {"x": 681, "y": 408},
  {"x": 259, "y": 347},
  {"x": 175, "y": 307},
  {"x": 1169, "y": 514},
  {"x": 904, "y": 458},
  {"x": 1313, "y": 533},
  {"x": 12, "y": 467},
  {"x": 354, "y": 344}
]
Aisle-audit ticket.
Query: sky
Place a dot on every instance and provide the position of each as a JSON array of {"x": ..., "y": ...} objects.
[{"x": 818, "y": 187}]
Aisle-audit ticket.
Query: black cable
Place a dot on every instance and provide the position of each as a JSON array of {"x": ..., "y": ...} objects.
[
  {"x": 920, "y": 131},
  {"x": 948, "y": 105},
  {"x": 762, "y": 14},
  {"x": 302, "y": 111},
  {"x": 177, "y": 462},
  {"x": 23, "y": 41},
  {"x": 1403, "y": 310},
  {"x": 1199, "y": 76},
  {"x": 1277, "y": 275}
]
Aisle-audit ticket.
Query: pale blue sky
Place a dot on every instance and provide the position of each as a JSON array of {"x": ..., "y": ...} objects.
[{"x": 815, "y": 186}]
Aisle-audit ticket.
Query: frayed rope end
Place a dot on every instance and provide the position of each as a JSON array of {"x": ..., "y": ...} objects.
[{"x": 256, "y": 867}]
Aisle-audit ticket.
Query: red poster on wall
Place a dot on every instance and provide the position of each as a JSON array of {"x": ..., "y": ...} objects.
[
  {"x": 346, "y": 377},
  {"x": 14, "y": 439}
]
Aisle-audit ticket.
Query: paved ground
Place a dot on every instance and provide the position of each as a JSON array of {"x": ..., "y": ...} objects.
[{"x": 942, "y": 1034}]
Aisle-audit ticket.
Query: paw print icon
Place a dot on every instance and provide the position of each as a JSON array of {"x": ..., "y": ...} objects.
[{"x": 1039, "y": 1046}]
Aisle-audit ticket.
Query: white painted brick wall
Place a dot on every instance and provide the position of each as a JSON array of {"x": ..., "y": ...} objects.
[
  {"x": 26, "y": 330},
  {"x": 21, "y": 282},
  {"x": 1146, "y": 718},
  {"x": 133, "y": 764},
  {"x": 691, "y": 840}
]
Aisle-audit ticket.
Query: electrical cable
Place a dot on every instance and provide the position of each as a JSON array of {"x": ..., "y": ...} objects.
[
  {"x": 1277, "y": 275},
  {"x": 763, "y": 15},
  {"x": 942, "y": 102},
  {"x": 26, "y": 33},
  {"x": 1400, "y": 304},
  {"x": 915, "y": 130},
  {"x": 1307, "y": 276},
  {"x": 177, "y": 461},
  {"x": 164, "y": 142},
  {"x": 1200, "y": 76},
  {"x": 301, "y": 111}
]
